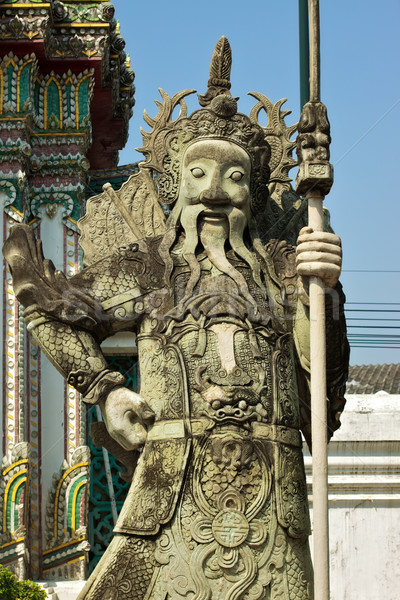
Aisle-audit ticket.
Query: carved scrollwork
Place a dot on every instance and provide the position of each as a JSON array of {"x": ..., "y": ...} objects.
[
  {"x": 287, "y": 409},
  {"x": 162, "y": 375},
  {"x": 127, "y": 573},
  {"x": 291, "y": 491},
  {"x": 115, "y": 219},
  {"x": 153, "y": 141},
  {"x": 277, "y": 134}
]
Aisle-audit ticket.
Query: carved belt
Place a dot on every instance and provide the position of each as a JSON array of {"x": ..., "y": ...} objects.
[{"x": 175, "y": 429}]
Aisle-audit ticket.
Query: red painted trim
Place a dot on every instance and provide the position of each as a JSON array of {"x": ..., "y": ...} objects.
[
  {"x": 28, "y": 387},
  {"x": 77, "y": 419},
  {"x": 39, "y": 450},
  {"x": 107, "y": 130},
  {"x": 28, "y": 436},
  {"x": 65, "y": 420},
  {"x": 77, "y": 395}
]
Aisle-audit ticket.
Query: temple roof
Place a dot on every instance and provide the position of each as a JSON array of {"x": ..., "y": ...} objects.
[
  {"x": 370, "y": 379},
  {"x": 72, "y": 37}
]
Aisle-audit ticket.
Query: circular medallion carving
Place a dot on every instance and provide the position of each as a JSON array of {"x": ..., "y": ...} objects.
[{"x": 230, "y": 528}]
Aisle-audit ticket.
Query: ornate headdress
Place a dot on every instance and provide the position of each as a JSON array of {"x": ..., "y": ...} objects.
[
  {"x": 114, "y": 218},
  {"x": 165, "y": 145}
]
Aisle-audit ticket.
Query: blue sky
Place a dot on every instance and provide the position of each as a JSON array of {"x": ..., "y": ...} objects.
[{"x": 170, "y": 44}]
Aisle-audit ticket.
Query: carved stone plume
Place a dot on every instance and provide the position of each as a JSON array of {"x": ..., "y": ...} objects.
[{"x": 219, "y": 82}]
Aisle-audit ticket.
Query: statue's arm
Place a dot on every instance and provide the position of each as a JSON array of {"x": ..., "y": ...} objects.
[
  {"x": 70, "y": 317},
  {"x": 293, "y": 266},
  {"x": 77, "y": 355},
  {"x": 337, "y": 358},
  {"x": 319, "y": 254}
]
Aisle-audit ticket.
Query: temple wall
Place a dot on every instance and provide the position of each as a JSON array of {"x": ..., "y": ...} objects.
[
  {"x": 364, "y": 499},
  {"x": 66, "y": 96},
  {"x": 52, "y": 383}
]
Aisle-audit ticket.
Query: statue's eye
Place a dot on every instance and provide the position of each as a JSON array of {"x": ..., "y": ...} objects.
[
  {"x": 197, "y": 172},
  {"x": 236, "y": 175}
]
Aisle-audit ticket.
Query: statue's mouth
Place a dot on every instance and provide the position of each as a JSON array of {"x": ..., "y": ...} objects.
[{"x": 211, "y": 215}]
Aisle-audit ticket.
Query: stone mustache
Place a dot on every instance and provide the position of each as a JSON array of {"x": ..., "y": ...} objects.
[{"x": 217, "y": 294}]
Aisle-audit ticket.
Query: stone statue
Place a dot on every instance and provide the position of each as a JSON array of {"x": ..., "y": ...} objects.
[{"x": 218, "y": 503}]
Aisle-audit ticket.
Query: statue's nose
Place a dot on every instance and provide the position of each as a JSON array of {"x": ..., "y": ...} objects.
[{"x": 214, "y": 194}]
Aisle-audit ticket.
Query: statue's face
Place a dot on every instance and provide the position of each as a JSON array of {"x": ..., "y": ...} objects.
[
  {"x": 214, "y": 210},
  {"x": 216, "y": 175}
]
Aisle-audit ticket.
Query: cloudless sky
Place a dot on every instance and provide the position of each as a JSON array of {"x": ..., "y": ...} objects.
[{"x": 170, "y": 45}]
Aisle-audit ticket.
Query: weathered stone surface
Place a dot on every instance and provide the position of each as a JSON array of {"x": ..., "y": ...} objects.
[{"x": 218, "y": 504}]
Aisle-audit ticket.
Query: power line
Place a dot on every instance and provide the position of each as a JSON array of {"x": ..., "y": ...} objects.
[
  {"x": 376, "y": 346},
  {"x": 375, "y": 303},
  {"x": 362, "y": 336},
  {"x": 368, "y": 319},
  {"x": 375, "y": 310},
  {"x": 369, "y": 271},
  {"x": 374, "y": 326}
]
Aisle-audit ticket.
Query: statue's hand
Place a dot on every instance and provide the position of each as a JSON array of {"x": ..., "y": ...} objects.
[
  {"x": 319, "y": 254},
  {"x": 125, "y": 415}
]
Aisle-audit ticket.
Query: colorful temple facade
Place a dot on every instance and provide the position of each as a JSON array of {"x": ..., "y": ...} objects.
[{"x": 66, "y": 97}]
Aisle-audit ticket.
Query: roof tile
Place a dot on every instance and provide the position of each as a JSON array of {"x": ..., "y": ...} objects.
[{"x": 370, "y": 379}]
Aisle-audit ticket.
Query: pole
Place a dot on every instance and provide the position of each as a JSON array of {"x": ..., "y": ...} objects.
[
  {"x": 304, "y": 54},
  {"x": 318, "y": 357},
  {"x": 314, "y": 180},
  {"x": 319, "y": 417},
  {"x": 315, "y": 77}
]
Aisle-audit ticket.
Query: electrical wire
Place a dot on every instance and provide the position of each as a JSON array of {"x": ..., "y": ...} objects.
[{"x": 361, "y": 322}]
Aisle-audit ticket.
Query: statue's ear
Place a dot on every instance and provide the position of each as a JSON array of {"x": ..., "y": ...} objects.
[{"x": 119, "y": 218}]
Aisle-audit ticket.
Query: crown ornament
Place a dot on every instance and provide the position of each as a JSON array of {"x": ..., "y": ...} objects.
[{"x": 269, "y": 147}]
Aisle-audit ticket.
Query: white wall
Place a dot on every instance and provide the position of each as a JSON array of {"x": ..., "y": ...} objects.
[
  {"x": 52, "y": 383},
  {"x": 364, "y": 500}
]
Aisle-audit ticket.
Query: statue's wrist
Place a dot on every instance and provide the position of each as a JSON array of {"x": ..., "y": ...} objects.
[{"x": 102, "y": 385}]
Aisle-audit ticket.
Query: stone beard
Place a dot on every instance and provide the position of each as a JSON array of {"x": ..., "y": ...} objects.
[
  {"x": 211, "y": 236},
  {"x": 212, "y": 216}
]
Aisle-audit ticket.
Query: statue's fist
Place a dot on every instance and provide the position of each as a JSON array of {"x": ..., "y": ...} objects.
[
  {"x": 319, "y": 254},
  {"x": 125, "y": 415}
]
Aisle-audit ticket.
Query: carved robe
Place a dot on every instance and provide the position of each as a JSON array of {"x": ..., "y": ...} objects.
[{"x": 218, "y": 504}]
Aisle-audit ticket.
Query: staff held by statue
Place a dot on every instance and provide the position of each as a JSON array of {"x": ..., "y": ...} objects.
[{"x": 314, "y": 180}]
